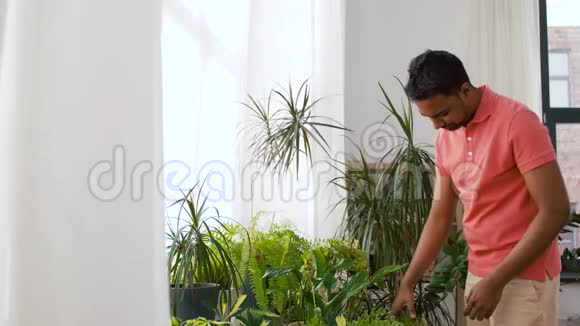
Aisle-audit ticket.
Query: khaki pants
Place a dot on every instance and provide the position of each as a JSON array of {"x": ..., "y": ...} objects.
[{"x": 523, "y": 303}]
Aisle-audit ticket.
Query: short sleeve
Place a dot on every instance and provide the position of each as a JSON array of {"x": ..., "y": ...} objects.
[
  {"x": 439, "y": 167},
  {"x": 530, "y": 141}
]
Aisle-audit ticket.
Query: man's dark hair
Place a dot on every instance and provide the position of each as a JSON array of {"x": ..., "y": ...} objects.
[{"x": 435, "y": 72}]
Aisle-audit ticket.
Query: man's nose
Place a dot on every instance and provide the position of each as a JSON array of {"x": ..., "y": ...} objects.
[{"x": 438, "y": 123}]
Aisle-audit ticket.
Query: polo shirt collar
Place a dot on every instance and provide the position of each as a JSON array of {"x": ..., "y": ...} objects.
[{"x": 485, "y": 106}]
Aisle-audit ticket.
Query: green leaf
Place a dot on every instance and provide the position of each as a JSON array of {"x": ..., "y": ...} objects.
[
  {"x": 319, "y": 262},
  {"x": 237, "y": 305},
  {"x": 385, "y": 271}
]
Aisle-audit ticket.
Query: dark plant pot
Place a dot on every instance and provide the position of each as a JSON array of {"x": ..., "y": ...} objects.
[{"x": 199, "y": 301}]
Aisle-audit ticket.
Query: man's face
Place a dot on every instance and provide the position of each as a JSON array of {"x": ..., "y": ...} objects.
[{"x": 450, "y": 112}]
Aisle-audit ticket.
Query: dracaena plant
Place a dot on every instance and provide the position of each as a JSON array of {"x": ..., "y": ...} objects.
[
  {"x": 286, "y": 128},
  {"x": 387, "y": 209},
  {"x": 198, "y": 245}
]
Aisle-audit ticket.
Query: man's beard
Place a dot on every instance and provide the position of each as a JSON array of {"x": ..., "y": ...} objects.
[{"x": 452, "y": 127}]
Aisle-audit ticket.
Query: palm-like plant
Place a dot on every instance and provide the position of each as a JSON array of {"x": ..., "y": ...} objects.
[
  {"x": 387, "y": 209},
  {"x": 197, "y": 248},
  {"x": 410, "y": 188},
  {"x": 281, "y": 135}
]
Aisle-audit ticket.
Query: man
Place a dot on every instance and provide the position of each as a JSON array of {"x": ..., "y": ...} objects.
[{"x": 493, "y": 154}]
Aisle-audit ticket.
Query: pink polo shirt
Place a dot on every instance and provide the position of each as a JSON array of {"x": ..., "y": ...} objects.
[{"x": 486, "y": 160}]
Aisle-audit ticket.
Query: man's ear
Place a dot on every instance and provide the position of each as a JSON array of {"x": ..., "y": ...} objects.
[
  {"x": 464, "y": 90},
  {"x": 466, "y": 87}
]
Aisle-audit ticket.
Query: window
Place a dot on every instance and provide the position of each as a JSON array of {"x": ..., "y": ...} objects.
[
  {"x": 202, "y": 63},
  {"x": 559, "y": 78},
  {"x": 560, "y": 55}
]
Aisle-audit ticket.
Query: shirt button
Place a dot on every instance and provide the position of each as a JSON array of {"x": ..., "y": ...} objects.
[
  {"x": 468, "y": 138},
  {"x": 470, "y": 153}
]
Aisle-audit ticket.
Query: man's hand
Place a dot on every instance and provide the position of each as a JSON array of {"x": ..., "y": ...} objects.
[
  {"x": 405, "y": 298},
  {"x": 483, "y": 299},
  {"x": 432, "y": 237}
]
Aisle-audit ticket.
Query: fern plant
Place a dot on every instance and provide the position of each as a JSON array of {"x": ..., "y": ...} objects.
[{"x": 279, "y": 247}]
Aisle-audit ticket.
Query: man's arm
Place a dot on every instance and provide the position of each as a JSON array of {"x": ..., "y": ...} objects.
[
  {"x": 547, "y": 189},
  {"x": 435, "y": 231},
  {"x": 432, "y": 238}
]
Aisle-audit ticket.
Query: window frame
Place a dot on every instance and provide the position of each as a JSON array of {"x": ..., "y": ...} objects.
[{"x": 552, "y": 116}]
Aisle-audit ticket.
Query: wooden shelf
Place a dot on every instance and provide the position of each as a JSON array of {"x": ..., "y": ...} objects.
[{"x": 372, "y": 166}]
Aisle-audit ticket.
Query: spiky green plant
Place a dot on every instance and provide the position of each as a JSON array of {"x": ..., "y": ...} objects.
[
  {"x": 387, "y": 209},
  {"x": 198, "y": 249},
  {"x": 285, "y": 128},
  {"x": 237, "y": 239}
]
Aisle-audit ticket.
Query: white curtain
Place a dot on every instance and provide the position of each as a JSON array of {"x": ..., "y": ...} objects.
[
  {"x": 289, "y": 42},
  {"x": 82, "y": 219},
  {"x": 503, "y": 48},
  {"x": 5, "y": 176},
  {"x": 214, "y": 54},
  {"x": 328, "y": 73},
  {"x": 203, "y": 54}
]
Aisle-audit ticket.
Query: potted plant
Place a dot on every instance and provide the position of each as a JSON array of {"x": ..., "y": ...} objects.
[
  {"x": 322, "y": 293},
  {"x": 387, "y": 209},
  {"x": 197, "y": 248}
]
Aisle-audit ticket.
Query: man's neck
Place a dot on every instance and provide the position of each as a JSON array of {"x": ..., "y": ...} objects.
[{"x": 476, "y": 103}]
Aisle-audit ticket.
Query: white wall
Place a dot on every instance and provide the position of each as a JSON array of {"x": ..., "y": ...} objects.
[{"x": 381, "y": 38}]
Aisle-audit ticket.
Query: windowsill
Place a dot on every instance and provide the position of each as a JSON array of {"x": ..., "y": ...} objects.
[{"x": 569, "y": 277}]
